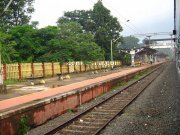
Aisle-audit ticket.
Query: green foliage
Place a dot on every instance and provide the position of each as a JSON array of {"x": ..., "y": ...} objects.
[
  {"x": 23, "y": 125},
  {"x": 72, "y": 44},
  {"x": 58, "y": 50},
  {"x": 27, "y": 42},
  {"x": 18, "y": 13},
  {"x": 8, "y": 53},
  {"x": 130, "y": 42},
  {"x": 31, "y": 42},
  {"x": 107, "y": 28},
  {"x": 83, "y": 17},
  {"x": 43, "y": 36},
  {"x": 90, "y": 52},
  {"x": 34, "y": 24},
  {"x": 80, "y": 35},
  {"x": 125, "y": 58},
  {"x": 67, "y": 42},
  {"x": 10, "y": 81},
  {"x": 68, "y": 30},
  {"x": 72, "y": 110},
  {"x": 100, "y": 23}
]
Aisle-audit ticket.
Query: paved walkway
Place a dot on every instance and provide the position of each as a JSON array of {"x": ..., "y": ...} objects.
[
  {"x": 5, "y": 104},
  {"x": 25, "y": 88}
]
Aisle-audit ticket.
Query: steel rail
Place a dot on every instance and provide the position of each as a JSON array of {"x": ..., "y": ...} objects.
[
  {"x": 64, "y": 124},
  {"x": 97, "y": 132}
]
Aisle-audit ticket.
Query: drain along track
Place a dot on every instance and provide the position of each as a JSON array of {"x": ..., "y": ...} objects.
[{"x": 94, "y": 119}]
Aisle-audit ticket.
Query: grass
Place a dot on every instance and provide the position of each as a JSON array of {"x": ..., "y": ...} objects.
[
  {"x": 70, "y": 110},
  {"x": 12, "y": 81},
  {"x": 7, "y": 82},
  {"x": 141, "y": 74},
  {"x": 101, "y": 94},
  {"x": 23, "y": 125},
  {"x": 136, "y": 77},
  {"x": 120, "y": 84}
]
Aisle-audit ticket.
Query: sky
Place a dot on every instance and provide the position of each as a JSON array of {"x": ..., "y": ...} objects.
[{"x": 146, "y": 16}]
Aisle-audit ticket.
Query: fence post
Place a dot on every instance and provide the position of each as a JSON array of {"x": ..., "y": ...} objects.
[
  {"x": 19, "y": 71},
  {"x": 68, "y": 68},
  {"x": 32, "y": 69},
  {"x": 60, "y": 64},
  {"x": 52, "y": 68},
  {"x": 94, "y": 65},
  {"x": 74, "y": 67},
  {"x": 4, "y": 71},
  {"x": 80, "y": 67},
  {"x": 43, "y": 69}
]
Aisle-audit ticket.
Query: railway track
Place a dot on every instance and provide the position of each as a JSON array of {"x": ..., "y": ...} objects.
[{"x": 95, "y": 118}]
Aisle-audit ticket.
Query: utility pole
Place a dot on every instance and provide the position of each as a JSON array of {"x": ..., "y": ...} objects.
[
  {"x": 111, "y": 51},
  {"x": 112, "y": 47},
  {"x": 112, "y": 44}
]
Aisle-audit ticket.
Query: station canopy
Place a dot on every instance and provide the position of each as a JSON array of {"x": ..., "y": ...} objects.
[
  {"x": 141, "y": 50},
  {"x": 147, "y": 50}
]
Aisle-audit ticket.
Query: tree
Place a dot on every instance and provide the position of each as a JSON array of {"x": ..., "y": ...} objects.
[
  {"x": 18, "y": 13},
  {"x": 35, "y": 24},
  {"x": 83, "y": 17},
  {"x": 84, "y": 46},
  {"x": 72, "y": 44},
  {"x": 130, "y": 42},
  {"x": 125, "y": 58},
  {"x": 90, "y": 52},
  {"x": 7, "y": 51},
  {"x": 27, "y": 42},
  {"x": 58, "y": 51},
  {"x": 107, "y": 28},
  {"x": 100, "y": 23},
  {"x": 44, "y": 35}
]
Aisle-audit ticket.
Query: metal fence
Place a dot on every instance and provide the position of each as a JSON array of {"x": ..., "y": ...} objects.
[{"x": 24, "y": 70}]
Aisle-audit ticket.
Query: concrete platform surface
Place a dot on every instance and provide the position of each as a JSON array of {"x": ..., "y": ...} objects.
[{"x": 13, "y": 102}]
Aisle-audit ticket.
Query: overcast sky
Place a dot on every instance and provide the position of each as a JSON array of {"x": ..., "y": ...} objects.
[{"x": 146, "y": 16}]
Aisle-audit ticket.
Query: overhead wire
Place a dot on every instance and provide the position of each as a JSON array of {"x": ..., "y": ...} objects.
[
  {"x": 135, "y": 29},
  {"x": 130, "y": 28}
]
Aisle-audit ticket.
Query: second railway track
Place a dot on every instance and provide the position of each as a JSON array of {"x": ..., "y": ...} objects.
[{"x": 95, "y": 118}]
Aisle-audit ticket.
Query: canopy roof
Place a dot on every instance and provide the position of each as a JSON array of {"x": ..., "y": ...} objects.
[{"x": 141, "y": 51}]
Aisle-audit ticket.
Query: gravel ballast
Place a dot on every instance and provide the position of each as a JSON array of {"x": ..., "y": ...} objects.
[{"x": 155, "y": 112}]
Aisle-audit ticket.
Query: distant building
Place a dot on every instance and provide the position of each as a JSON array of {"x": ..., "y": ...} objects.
[
  {"x": 147, "y": 55},
  {"x": 142, "y": 55}
]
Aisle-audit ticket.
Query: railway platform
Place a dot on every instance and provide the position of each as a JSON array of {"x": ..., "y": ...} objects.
[{"x": 42, "y": 106}]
